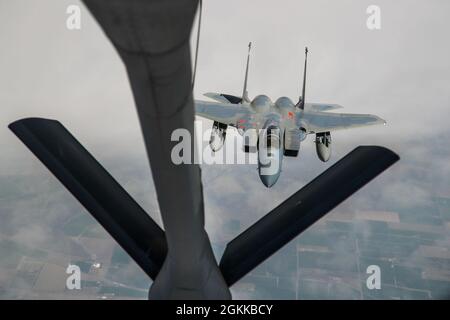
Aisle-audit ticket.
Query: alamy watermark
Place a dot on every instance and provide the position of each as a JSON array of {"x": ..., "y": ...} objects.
[
  {"x": 374, "y": 19},
  {"x": 73, "y": 281},
  {"x": 374, "y": 280},
  {"x": 196, "y": 150},
  {"x": 73, "y": 21}
]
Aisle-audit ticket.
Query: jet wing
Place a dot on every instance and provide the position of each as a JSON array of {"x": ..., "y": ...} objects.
[
  {"x": 322, "y": 106},
  {"x": 223, "y": 98},
  {"x": 226, "y": 113},
  {"x": 315, "y": 122}
]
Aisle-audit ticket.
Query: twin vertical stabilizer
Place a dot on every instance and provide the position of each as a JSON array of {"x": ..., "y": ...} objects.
[
  {"x": 301, "y": 100},
  {"x": 245, "y": 92}
]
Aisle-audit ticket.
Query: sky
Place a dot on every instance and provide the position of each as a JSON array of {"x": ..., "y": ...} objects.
[{"x": 400, "y": 73}]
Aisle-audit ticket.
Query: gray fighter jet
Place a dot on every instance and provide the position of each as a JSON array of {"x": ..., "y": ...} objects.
[{"x": 274, "y": 129}]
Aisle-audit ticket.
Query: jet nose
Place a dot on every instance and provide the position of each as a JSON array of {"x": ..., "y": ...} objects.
[{"x": 269, "y": 180}]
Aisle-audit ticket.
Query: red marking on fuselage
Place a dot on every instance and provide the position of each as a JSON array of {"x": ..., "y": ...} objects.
[{"x": 290, "y": 115}]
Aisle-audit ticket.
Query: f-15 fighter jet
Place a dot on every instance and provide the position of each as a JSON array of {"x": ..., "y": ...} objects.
[{"x": 276, "y": 129}]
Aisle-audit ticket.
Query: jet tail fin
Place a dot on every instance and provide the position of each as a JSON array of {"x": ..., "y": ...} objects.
[
  {"x": 301, "y": 100},
  {"x": 245, "y": 92}
]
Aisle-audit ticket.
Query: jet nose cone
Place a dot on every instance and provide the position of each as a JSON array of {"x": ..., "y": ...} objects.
[{"x": 269, "y": 180}]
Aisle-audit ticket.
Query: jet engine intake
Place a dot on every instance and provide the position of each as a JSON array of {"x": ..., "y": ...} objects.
[
  {"x": 250, "y": 141},
  {"x": 292, "y": 140},
  {"x": 218, "y": 134}
]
